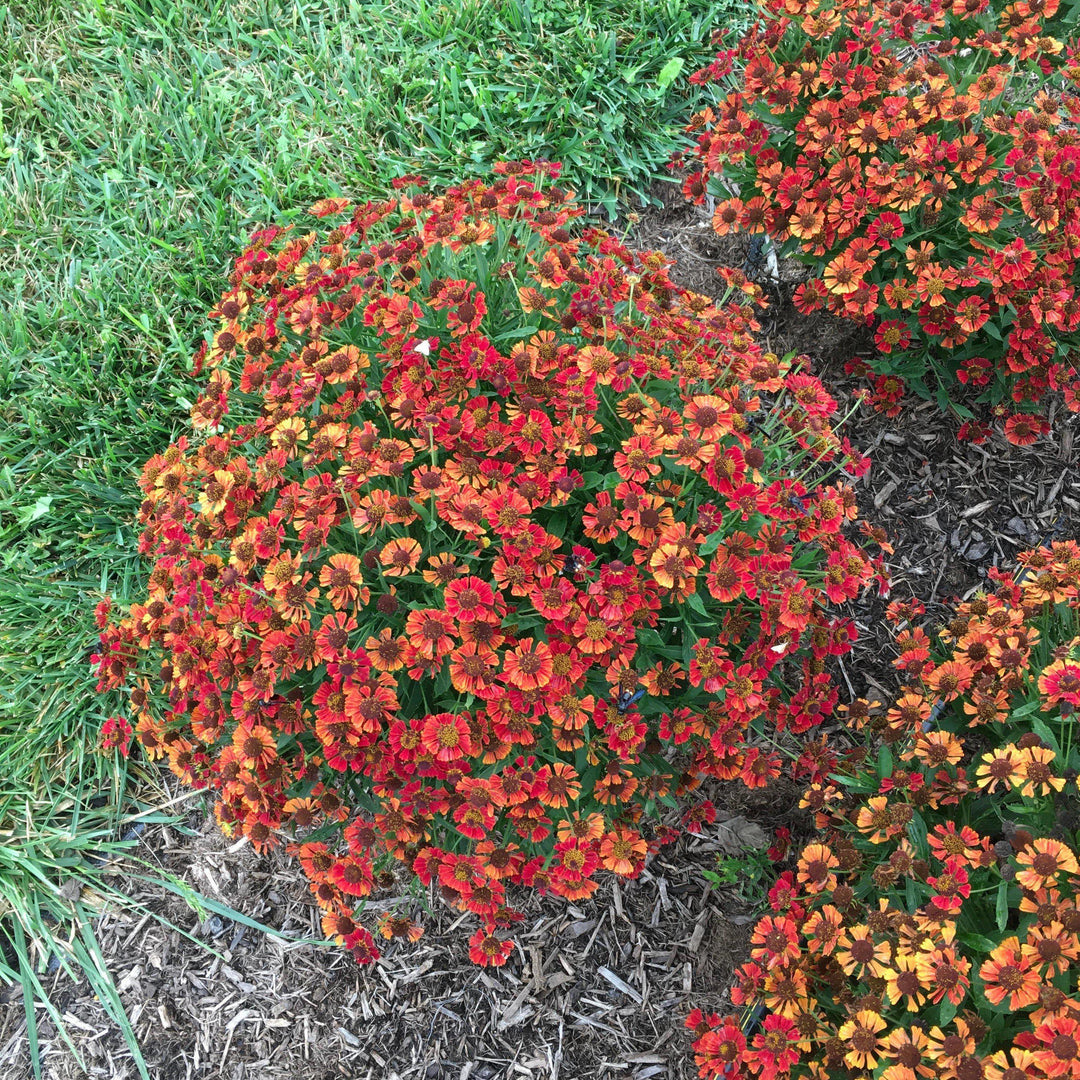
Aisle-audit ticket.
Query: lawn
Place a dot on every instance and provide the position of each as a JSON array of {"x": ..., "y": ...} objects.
[{"x": 140, "y": 143}]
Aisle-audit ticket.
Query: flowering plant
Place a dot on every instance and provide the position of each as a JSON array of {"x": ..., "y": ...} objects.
[
  {"x": 923, "y": 160},
  {"x": 934, "y": 930},
  {"x": 489, "y": 541}
]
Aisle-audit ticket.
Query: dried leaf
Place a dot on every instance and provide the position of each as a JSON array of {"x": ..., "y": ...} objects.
[{"x": 737, "y": 834}]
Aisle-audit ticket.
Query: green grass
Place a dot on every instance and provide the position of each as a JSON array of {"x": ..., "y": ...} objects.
[{"x": 140, "y": 142}]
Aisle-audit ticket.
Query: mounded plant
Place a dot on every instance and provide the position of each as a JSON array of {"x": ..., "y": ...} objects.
[
  {"x": 933, "y": 930},
  {"x": 488, "y": 542},
  {"x": 923, "y": 160}
]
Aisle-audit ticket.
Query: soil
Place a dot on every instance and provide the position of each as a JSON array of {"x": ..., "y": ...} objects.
[{"x": 598, "y": 989}]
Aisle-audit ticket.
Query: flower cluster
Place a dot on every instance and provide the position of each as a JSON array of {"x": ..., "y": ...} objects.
[
  {"x": 923, "y": 159},
  {"x": 490, "y": 541},
  {"x": 934, "y": 929}
]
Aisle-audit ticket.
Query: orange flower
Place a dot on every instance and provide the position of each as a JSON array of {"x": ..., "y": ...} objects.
[
  {"x": 637, "y": 460},
  {"x": 623, "y": 851},
  {"x": 1043, "y": 862},
  {"x": 385, "y": 651},
  {"x": 945, "y": 972},
  {"x": 862, "y": 1036},
  {"x": 904, "y": 981},
  {"x": 430, "y": 632},
  {"x": 1034, "y": 773},
  {"x": 1050, "y": 950},
  {"x": 858, "y": 954},
  {"x": 1023, "y": 429},
  {"x": 937, "y": 748},
  {"x": 876, "y": 821},
  {"x": 1007, "y": 974},
  {"x": 499, "y": 861},
  {"x": 255, "y": 744},
  {"x": 529, "y": 665},
  {"x": 999, "y": 768},
  {"x": 469, "y": 598},
  {"x": 473, "y": 669},
  {"x": 342, "y": 579},
  {"x": 400, "y": 556},
  {"x": 775, "y": 940},
  {"x": 674, "y": 566},
  {"x": 949, "y": 680},
  {"x": 906, "y": 1049},
  {"x": 841, "y": 277},
  {"x": 1057, "y": 1047},
  {"x": 487, "y": 950},
  {"x": 352, "y": 875},
  {"x": 909, "y": 712},
  {"x": 1015, "y": 1064},
  {"x": 399, "y": 926},
  {"x": 1060, "y": 681},
  {"x": 822, "y": 930}
]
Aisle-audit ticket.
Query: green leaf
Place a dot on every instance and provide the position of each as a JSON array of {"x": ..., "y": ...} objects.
[
  {"x": 29, "y": 514},
  {"x": 669, "y": 72},
  {"x": 1042, "y": 729},
  {"x": 712, "y": 542},
  {"x": 1001, "y": 906},
  {"x": 946, "y": 1011},
  {"x": 978, "y": 942},
  {"x": 917, "y": 833},
  {"x": 884, "y": 762},
  {"x": 694, "y": 600}
]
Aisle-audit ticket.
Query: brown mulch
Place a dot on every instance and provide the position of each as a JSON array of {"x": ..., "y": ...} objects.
[{"x": 597, "y": 989}]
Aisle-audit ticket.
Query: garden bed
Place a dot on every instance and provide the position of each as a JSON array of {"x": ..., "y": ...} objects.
[{"x": 600, "y": 987}]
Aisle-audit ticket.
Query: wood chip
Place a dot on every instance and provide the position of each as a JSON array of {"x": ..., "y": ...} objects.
[{"x": 619, "y": 984}]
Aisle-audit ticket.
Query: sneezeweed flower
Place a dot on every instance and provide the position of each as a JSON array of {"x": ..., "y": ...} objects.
[
  {"x": 822, "y": 930},
  {"x": 1050, "y": 950},
  {"x": 774, "y": 1049},
  {"x": 858, "y": 954},
  {"x": 487, "y": 950},
  {"x": 951, "y": 888},
  {"x": 1000, "y": 768},
  {"x": 719, "y": 1047},
  {"x": 116, "y": 733},
  {"x": 1034, "y": 772},
  {"x": 774, "y": 941},
  {"x": 1055, "y": 1047},
  {"x": 623, "y": 852},
  {"x": 1043, "y": 863},
  {"x": 1008, "y": 975},
  {"x": 905, "y": 981},
  {"x": 400, "y": 557},
  {"x": 399, "y": 926},
  {"x": 816, "y": 868},
  {"x": 1060, "y": 680},
  {"x": 908, "y": 987},
  {"x": 861, "y": 1036},
  {"x": 905, "y": 1049}
]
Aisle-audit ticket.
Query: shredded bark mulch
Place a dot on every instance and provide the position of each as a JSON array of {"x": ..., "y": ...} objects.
[{"x": 598, "y": 989}]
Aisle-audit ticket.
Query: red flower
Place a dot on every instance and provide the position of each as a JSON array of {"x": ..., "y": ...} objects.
[
  {"x": 447, "y": 737},
  {"x": 487, "y": 950},
  {"x": 774, "y": 1048}
]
